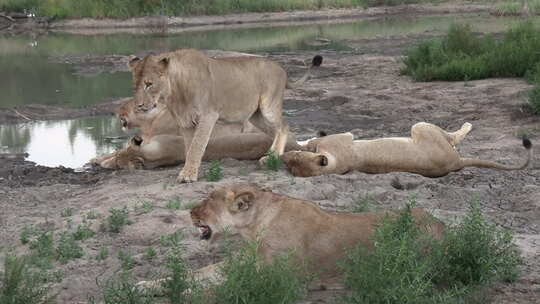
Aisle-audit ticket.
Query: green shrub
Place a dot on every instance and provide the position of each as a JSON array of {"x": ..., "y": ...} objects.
[
  {"x": 68, "y": 249},
  {"x": 214, "y": 172},
  {"x": 248, "y": 280},
  {"x": 20, "y": 285},
  {"x": 404, "y": 266},
  {"x": 397, "y": 270},
  {"x": 127, "y": 259},
  {"x": 42, "y": 250},
  {"x": 117, "y": 220},
  {"x": 83, "y": 232},
  {"x": 462, "y": 55},
  {"x": 121, "y": 289},
  {"x": 180, "y": 288},
  {"x": 477, "y": 252}
]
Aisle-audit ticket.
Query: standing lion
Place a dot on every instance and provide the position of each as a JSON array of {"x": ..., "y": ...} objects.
[{"x": 199, "y": 91}]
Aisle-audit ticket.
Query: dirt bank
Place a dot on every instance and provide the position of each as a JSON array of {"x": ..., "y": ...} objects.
[
  {"x": 360, "y": 93},
  {"x": 190, "y": 23}
]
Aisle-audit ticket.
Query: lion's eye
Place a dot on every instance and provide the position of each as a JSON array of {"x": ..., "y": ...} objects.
[{"x": 147, "y": 84}]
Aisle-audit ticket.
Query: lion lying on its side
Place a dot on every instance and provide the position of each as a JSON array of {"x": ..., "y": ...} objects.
[
  {"x": 162, "y": 145},
  {"x": 429, "y": 151}
]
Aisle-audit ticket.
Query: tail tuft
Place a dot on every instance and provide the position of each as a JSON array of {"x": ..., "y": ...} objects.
[
  {"x": 527, "y": 143},
  {"x": 321, "y": 134},
  {"x": 317, "y": 60}
]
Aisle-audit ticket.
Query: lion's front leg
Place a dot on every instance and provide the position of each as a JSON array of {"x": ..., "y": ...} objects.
[{"x": 199, "y": 141}]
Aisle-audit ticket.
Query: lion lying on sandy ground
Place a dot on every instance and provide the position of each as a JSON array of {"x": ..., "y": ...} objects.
[
  {"x": 430, "y": 151},
  {"x": 199, "y": 91},
  {"x": 281, "y": 223},
  {"x": 162, "y": 145}
]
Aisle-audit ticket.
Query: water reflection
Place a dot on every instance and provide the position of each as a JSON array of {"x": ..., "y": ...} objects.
[{"x": 70, "y": 143}]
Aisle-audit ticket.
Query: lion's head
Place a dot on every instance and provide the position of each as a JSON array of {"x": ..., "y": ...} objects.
[
  {"x": 131, "y": 116},
  {"x": 234, "y": 206},
  {"x": 305, "y": 164},
  {"x": 129, "y": 158},
  {"x": 150, "y": 80}
]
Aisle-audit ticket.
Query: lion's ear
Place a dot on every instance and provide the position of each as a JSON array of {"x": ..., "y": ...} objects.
[
  {"x": 133, "y": 61},
  {"x": 242, "y": 202},
  {"x": 164, "y": 63},
  {"x": 322, "y": 160}
]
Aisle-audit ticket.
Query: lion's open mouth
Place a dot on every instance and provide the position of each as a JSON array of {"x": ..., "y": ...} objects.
[
  {"x": 124, "y": 122},
  {"x": 206, "y": 232}
]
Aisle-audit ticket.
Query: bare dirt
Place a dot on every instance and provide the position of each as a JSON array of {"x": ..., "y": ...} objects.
[{"x": 364, "y": 94}]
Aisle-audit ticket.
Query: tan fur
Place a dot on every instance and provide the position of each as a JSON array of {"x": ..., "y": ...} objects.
[
  {"x": 430, "y": 151},
  {"x": 163, "y": 145},
  {"x": 199, "y": 91},
  {"x": 281, "y": 223}
]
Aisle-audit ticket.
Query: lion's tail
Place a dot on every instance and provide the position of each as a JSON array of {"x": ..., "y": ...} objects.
[
  {"x": 475, "y": 162},
  {"x": 315, "y": 62}
]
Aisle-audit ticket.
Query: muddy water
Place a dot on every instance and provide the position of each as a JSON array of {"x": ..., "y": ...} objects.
[{"x": 37, "y": 76}]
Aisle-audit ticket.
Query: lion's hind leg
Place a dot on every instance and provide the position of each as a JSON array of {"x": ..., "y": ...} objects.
[
  {"x": 423, "y": 130},
  {"x": 274, "y": 127},
  {"x": 457, "y": 137}
]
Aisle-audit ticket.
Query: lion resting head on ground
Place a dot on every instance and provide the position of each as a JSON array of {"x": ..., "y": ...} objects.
[
  {"x": 281, "y": 223},
  {"x": 199, "y": 91},
  {"x": 430, "y": 151}
]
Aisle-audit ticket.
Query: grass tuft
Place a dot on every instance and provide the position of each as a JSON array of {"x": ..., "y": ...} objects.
[
  {"x": 20, "y": 285},
  {"x": 248, "y": 280},
  {"x": 273, "y": 161},
  {"x": 214, "y": 172},
  {"x": 117, "y": 220},
  {"x": 68, "y": 249}
]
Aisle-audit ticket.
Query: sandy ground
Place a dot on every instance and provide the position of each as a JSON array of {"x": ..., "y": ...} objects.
[
  {"x": 364, "y": 94},
  {"x": 361, "y": 93}
]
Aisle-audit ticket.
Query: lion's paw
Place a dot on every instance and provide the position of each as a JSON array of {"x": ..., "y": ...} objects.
[
  {"x": 263, "y": 160},
  {"x": 187, "y": 176}
]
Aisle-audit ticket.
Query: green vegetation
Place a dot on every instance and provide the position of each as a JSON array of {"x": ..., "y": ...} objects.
[
  {"x": 127, "y": 259},
  {"x": 68, "y": 249},
  {"x": 362, "y": 204},
  {"x": 121, "y": 289},
  {"x": 180, "y": 288},
  {"x": 92, "y": 215},
  {"x": 149, "y": 254},
  {"x": 42, "y": 250},
  {"x": 407, "y": 267},
  {"x": 248, "y": 280},
  {"x": 144, "y": 207},
  {"x": 174, "y": 203},
  {"x": 66, "y": 212},
  {"x": 83, "y": 232},
  {"x": 102, "y": 254},
  {"x": 462, "y": 55},
  {"x": 117, "y": 220},
  {"x": 515, "y": 8},
  {"x": 20, "y": 285},
  {"x": 127, "y": 8},
  {"x": 273, "y": 162},
  {"x": 171, "y": 240},
  {"x": 214, "y": 172}
]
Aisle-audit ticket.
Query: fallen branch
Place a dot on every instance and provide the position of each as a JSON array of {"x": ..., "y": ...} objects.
[
  {"x": 21, "y": 115},
  {"x": 7, "y": 17}
]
